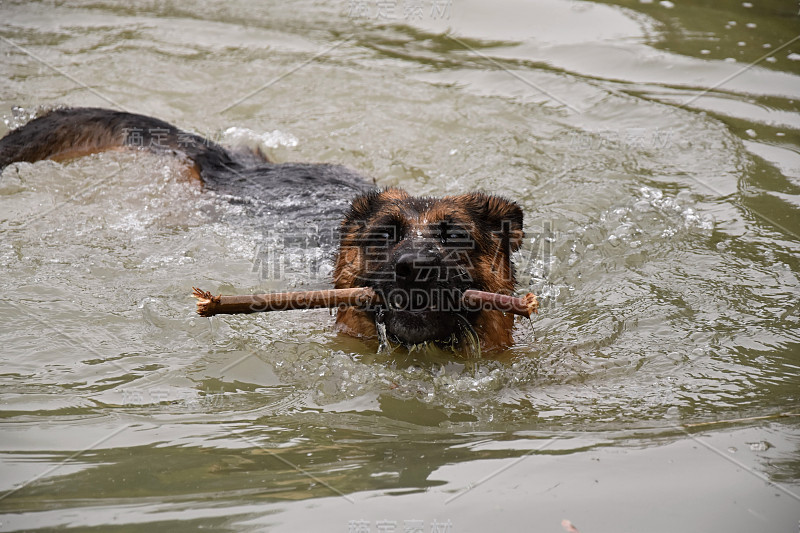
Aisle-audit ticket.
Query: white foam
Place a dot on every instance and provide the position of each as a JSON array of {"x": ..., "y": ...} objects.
[{"x": 247, "y": 137}]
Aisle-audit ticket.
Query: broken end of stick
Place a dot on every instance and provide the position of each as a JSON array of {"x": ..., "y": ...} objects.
[
  {"x": 531, "y": 303},
  {"x": 206, "y": 302}
]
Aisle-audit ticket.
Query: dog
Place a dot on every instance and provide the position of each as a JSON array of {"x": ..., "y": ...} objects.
[{"x": 418, "y": 253}]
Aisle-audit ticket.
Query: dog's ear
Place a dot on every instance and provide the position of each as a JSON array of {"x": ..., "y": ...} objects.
[
  {"x": 500, "y": 217},
  {"x": 364, "y": 206},
  {"x": 367, "y": 205}
]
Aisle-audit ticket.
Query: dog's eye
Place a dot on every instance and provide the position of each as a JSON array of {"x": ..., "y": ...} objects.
[
  {"x": 381, "y": 236},
  {"x": 453, "y": 235}
]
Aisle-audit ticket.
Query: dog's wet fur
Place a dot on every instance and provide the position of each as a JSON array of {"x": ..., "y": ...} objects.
[{"x": 418, "y": 253}]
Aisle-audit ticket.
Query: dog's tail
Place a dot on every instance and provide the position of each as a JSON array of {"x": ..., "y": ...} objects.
[{"x": 72, "y": 132}]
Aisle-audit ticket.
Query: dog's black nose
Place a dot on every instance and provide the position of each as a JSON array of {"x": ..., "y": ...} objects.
[{"x": 413, "y": 267}]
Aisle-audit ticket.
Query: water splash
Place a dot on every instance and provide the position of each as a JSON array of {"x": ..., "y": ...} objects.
[
  {"x": 21, "y": 116},
  {"x": 469, "y": 343},
  {"x": 251, "y": 139},
  {"x": 385, "y": 346}
]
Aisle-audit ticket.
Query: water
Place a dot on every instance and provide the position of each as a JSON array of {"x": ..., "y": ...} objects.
[{"x": 661, "y": 184}]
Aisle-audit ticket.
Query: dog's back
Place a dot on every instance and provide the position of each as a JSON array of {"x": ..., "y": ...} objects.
[
  {"x": 71, "y": 132},
  {"x": 67, "y": 133}
]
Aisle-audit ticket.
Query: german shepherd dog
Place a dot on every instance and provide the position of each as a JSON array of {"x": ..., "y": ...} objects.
[{"x": 418, "y": 253}]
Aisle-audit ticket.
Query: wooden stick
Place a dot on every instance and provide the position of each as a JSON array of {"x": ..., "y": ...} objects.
[
  {"x": 210, "y": 305},
  {"x": 525, "y": 306}
]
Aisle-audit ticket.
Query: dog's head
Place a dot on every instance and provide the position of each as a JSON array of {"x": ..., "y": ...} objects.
[{"x": 420, "y": 254}]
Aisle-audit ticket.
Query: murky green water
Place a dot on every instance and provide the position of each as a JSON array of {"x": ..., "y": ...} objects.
[{"x": 660, "y": 176}]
